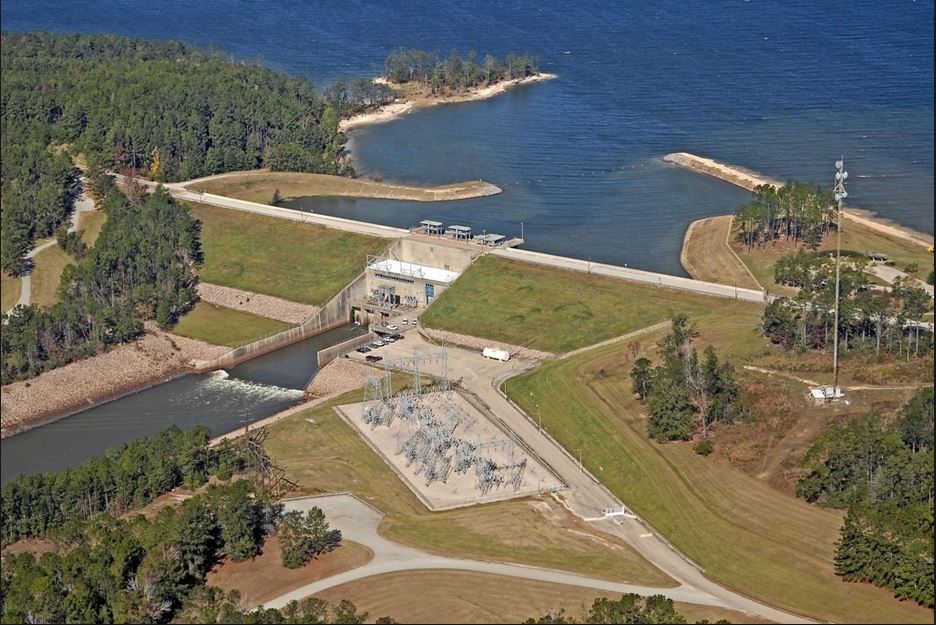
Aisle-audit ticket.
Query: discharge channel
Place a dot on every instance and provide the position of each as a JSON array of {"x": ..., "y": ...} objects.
[{"x": 222, "y": 400}]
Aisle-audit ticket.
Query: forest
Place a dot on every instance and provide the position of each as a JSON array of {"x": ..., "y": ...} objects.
[
  {"x": 687, "y": 396},
  {"x": 880, "y": 468},
  {"x": 109, "y": 566},
  {"x": 405, "y": 65},
  {"x": 796, "y": 212},
  {"x": 141, "y": 267},
  {"x": 884, "y": 319},
  {"x": 162, "y": 109}
]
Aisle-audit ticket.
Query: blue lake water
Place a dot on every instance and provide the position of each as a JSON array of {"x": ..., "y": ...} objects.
[{"x": 782, "y": 88}]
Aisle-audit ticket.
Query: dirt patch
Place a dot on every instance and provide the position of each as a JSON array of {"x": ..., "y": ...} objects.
[
  {"x": 264, "y": 577},
  {"x": 256, "y": 303},
  {"x": 155, "y": 357}
]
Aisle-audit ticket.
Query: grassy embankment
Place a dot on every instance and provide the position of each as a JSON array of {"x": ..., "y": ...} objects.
[
  {"x": 552, "y": 309},
  {"x": 855, "y": 238},
  {"x": 324, "y": 454},
  {"x": 466, "y": 597},
  {"x": 9, "y": 291},
  {"x": 745, "y": 534},
  {"x": 706, "y": 255},
  {"x": 225, "y": 326},
  {"x": 297, "y": 262},
  {"x": 260, "y": 185}
]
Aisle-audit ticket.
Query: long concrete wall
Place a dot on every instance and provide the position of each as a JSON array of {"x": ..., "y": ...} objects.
[
  {"x": 334, "y": 314},
  {"x": 329, "y": 354}
]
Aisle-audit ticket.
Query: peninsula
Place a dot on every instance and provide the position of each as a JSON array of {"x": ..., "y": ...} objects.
[{"x": 414, "y": 79}]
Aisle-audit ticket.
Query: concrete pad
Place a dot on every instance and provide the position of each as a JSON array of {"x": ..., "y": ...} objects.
[{"x": 458, "y": 490}]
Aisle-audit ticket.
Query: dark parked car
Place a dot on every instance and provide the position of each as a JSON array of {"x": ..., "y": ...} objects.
[
  {"x": 373, "y": 358},
  {"x": 362, "y": 350}
]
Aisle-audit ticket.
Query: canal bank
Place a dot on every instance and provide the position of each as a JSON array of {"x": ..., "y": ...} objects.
[{"x": 222, "y": 400}]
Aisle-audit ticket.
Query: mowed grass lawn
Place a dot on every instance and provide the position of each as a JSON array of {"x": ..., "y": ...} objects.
[
  {"x": 225, "y": 326},
  {"x": 9, "y": 291},
  {"x": 47, "y": 275},
  {"x": 855, "y": 238},
  {"x": 318, "y": 449},
  {"x": 297, "y": 262},
  {"x": 468, "y": 597},
  {"x": 91, "y": 224},
  {"x": 551, "y": 309},
  {"x": 744, "y": 533}
]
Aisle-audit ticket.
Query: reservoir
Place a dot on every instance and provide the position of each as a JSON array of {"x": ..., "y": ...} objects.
[{"x": 221, "y": 400}]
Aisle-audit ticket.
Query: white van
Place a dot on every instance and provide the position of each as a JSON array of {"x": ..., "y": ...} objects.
[{"x": 496, "y": 354}]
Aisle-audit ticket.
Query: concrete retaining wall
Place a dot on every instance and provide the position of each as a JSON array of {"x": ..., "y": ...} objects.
[
  {"x": 328, "y": 354},
  {"x": 334, "y": 314}
]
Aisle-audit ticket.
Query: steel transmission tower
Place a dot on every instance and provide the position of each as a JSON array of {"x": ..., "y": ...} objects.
[{"x": 840, "y": 194}]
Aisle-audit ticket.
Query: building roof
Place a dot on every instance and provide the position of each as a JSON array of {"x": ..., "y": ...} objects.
[
  {"x": 460, "y": 228},
  {"x": 490, "y": 237},
  {"x": 429, "y": 222},
  {"x": 412, "y": 270}
]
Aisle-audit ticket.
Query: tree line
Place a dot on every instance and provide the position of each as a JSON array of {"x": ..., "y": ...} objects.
[
  {"x": 107, "y": 570},
  {"x": 885, "y": 319},
  {"x": 687, "y": 396},
  {"x": 432, "y": 71},
  {"x": 163, "y": 109},
  {"x": 880, "y": 468},
  {"x": 630, "y": 608},
  {"x": 117, "y": 481},
  {"x": 795, "y": 212},
  {"x": 141, "y": 267}
]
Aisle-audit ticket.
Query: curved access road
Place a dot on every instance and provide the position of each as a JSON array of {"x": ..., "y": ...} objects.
[
  {"x": 82, "y": 204},
  {"x": 359, "y": 522}
]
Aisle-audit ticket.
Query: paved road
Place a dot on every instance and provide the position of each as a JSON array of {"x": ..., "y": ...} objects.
[
  {"x": 82, "y": 204},
  {"x": 178, "y": 190},
  {"x": 584, "y": 495},
  {"x": 359, "y": 522},
  {"x": 889, "y": 274}
]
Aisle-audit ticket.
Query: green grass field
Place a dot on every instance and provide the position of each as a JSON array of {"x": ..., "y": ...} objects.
[
  {"x": 91, "y": 224},
  {"x": 298, "y": 262},
  {"x": 47, "y": 275},
  {"x": 552, "y": 309},
  {"x": 745, "y": 534},
  {"x": 225, "y": 326},
  {"x": 324, "y": 454},
  {"x": 9, "y": 291}
]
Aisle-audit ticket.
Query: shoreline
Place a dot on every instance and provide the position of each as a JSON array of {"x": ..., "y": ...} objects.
[
  {"x": 403, "y": 106},
  {"x": 155, "y": 358},
  {"x": 748, "y": 180}
]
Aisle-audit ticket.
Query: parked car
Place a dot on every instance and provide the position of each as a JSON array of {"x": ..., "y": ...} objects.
[
  {"x": 388, "y": 339},
  {"x": 373, "y": 358},
  {"x": 377, "y": 344},
  {"x": 391, "y": 327},
  {"x": 404, "y": 322},
  {"x": 363, "y": 349}
]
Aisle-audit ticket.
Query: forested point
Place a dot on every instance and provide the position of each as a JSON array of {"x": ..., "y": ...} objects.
[
  {"x": 162, "y": 109},
  {"x": 880, "y": 467},
  {"x": 407, "y": 65},
  {"x": 141, "y": 267},
  {"x": 796, "y": 212}
]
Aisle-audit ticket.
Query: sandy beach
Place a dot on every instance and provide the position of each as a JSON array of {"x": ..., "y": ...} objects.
[
  {"x": 749, "y": 180},
  {"x": 404, "y": 106},
  {"x": 154, "y": 358}
]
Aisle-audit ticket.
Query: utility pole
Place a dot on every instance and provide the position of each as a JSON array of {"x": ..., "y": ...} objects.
[{"x": 840, "y": 194}]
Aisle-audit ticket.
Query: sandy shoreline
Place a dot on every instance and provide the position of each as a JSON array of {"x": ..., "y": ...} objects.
[
  {"x": 155, "y": 358},
  {"x": 403, "y": 107},
  {"x": 749, "y": 180}
]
